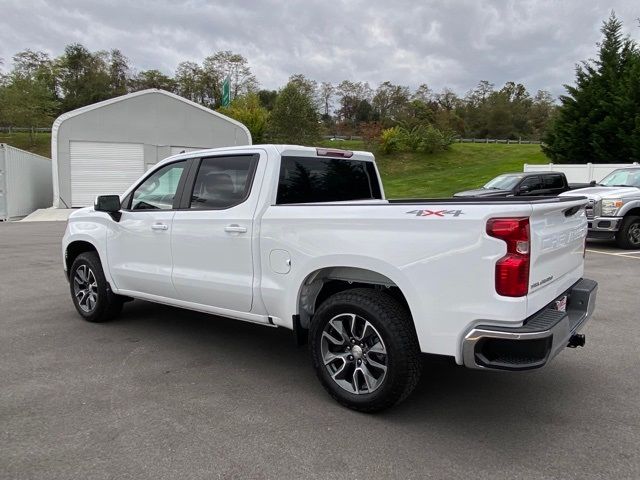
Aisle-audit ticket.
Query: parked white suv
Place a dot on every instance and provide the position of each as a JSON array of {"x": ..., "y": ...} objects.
[{"x": 303, "y": 238}]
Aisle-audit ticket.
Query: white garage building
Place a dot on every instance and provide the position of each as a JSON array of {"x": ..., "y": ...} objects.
[{"x": 103, "y": 148}]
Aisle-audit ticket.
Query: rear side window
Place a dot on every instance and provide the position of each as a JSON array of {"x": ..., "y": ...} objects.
[
  {"x": 308, "y": 179},
  {"x": 553, "y": 181},
  {"x": 223, "y": 182}
]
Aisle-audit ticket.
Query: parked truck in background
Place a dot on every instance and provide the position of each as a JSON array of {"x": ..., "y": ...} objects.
[
  {"x": 527, "y": 184},
  {"x": 304, "y": 239},
  {"x": 613, "y": 210}
]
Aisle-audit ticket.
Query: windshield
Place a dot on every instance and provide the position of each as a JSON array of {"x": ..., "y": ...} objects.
[
  {"x": 624, "y": 177},
  {"x": 503, "y": 182}
]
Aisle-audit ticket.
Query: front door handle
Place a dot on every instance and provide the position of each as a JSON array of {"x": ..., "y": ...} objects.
[
  {"x": 235, "y": 228},
  {"x": 159, "y": 226}
]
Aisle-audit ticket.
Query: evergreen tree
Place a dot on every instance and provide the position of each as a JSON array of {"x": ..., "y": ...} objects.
[{"x": 599, "y": 119}]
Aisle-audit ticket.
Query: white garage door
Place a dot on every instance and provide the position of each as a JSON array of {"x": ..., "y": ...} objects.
[{"x": 99, "y": 168}]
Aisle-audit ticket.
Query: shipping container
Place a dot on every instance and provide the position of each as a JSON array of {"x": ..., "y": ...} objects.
[{"x": 25, "y": 183}]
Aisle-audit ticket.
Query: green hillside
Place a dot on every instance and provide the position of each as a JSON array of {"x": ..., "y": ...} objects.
[
  {"x": 463, "y": 166},
  {"x": 40, "y": 143}
]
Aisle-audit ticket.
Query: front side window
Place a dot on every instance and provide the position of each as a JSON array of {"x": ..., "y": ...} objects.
[
  {"x": 309, "y": 180},
  {"x": 158, "y": 191},
  {"x": 532, "y": 182},
  {"x": 223, "y": 182}
]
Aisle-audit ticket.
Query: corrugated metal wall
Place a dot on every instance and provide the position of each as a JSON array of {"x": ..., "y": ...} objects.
[{"x": 26, "y": 182}]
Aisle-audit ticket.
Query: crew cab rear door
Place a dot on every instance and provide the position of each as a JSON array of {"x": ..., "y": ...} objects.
[{"x": 213, "y": 233}]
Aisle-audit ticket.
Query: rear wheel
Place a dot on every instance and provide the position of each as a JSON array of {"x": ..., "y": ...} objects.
[
  {"x": 90, "y": 291},
  {"x": 628, "y": 236},
  {"x": 364, "y": 349}
]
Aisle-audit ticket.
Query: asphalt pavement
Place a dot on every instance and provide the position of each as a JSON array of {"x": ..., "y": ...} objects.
[{"x": 166, "y": 393}]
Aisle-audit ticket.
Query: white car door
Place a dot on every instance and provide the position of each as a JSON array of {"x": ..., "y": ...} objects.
[
  {"x": 212, "y": 236},
  {"x": 139, "y": 244}
]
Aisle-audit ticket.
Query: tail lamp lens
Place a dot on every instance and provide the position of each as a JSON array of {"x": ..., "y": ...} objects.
[{"x": 512, "y": 270}]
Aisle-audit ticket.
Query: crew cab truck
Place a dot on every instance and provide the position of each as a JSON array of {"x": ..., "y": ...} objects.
[
  {"x": 613, "y": 210},
  {"x": 304, "y": 239},
  {"x": 528, "y": 184}
]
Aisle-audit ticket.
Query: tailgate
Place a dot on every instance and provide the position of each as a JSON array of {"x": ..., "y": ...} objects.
[{"x": 558, "y": 232}]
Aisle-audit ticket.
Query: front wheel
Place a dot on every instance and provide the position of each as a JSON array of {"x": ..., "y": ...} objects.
[
  {"x": 90, "y": 291},
  {"x": 628, "y": 237},
  {"x": 364, "y": 349}
]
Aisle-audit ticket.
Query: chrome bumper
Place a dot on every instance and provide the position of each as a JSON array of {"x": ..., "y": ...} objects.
[
  {"x": 537, "y": 341},
  {"x": 604, "y": 224}
]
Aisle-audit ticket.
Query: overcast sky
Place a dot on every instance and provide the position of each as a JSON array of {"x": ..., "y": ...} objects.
[{"x": 452, "y": 43}]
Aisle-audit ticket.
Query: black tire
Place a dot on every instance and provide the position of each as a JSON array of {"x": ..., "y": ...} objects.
[
  {"x": 107, "y": 305},
  {"x": 628, "y": 236},
  {"x": 392, "y": 322}
]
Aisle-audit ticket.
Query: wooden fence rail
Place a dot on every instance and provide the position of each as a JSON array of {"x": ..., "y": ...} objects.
[
  {"x": 508, "y": 141},
  {"x": 25, "y": 129}
]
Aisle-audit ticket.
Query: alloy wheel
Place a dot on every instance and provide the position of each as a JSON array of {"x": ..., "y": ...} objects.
[
  {"x": 354, "y": 353},
  {"x": 634, "y": 233},
  {"x": 85, "y": 288}
]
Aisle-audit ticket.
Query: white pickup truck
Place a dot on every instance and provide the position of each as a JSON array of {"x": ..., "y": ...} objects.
[
  {"x": 303, "y": 238},
  {"x": 613, "y": 210}
]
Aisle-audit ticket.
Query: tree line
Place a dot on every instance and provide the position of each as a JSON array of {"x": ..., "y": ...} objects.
[
  {"x": 598, "y": 120},
  {"x": 38, "y": 88}
]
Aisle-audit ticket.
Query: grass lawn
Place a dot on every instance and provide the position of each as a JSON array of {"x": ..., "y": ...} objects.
[
  {"x": 462, "y": 167},
  {"x": 405, "y": 175},
  {"x": 41, "y": 143}
]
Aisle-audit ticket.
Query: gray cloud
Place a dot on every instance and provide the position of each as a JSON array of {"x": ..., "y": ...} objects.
[{"x": 451, "y": 43}]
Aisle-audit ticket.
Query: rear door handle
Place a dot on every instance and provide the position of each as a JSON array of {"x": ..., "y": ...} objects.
[
  {"x": 159, "y": 226},
  {"x": 235, "y": 228}
]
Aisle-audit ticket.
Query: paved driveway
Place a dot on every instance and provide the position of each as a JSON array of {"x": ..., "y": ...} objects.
[{"x": 165, "y": 393}]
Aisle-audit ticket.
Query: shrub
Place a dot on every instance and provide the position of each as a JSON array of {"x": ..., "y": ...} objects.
[
  {"x": 421, "y": 138},
  {"x": 393, "y": 140}
]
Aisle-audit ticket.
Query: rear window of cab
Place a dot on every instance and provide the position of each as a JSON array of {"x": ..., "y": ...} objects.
[{"x": 310, "y": 180}]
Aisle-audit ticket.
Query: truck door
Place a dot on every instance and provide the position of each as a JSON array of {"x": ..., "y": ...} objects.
[
  {"x": 213, "y": 232},
  {"x": 553, "y": 184},
  {"x": 139, "y": 245}
]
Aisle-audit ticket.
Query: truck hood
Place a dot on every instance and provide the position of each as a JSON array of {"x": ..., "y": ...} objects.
[
  {"x": 483, "y": 192},
  {"x": 599, "y": 193}
]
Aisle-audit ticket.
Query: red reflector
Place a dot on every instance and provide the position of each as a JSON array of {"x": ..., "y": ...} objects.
[
  {"x": 327, "y": 152},
  {"x": 512, "y": 270}
]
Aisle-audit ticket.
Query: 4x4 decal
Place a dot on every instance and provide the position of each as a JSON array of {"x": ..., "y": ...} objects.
[{"x": 436, "y": 213}]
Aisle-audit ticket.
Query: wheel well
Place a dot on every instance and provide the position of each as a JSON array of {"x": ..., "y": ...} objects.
[
  {"x": 326, "y": 282},
  {"x": 633, "y": 211},
  {"x": 74, "y": 249}
]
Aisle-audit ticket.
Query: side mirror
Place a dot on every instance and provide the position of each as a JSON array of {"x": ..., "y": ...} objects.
[
  {"x": 109, "y": 204},
  {"x": 592, "y": 183},
  {"x": 524, "y": 189}
]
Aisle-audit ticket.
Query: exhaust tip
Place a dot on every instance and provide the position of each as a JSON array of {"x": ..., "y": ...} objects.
[{"x": 576, "y": 340}]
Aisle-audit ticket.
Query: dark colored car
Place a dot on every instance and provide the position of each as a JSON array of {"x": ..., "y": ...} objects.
[{"x": 532, "y": 184}]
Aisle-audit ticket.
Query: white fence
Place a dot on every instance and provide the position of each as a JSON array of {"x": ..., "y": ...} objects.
[{"x": 583, "y": 173}]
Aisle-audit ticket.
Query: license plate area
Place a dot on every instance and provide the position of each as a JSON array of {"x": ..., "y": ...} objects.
[{"x": 560, "y": 304}]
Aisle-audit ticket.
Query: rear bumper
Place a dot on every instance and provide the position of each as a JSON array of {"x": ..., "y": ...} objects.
[{"x": 537, "y": 341}]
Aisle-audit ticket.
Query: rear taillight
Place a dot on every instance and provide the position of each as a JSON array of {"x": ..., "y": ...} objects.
[{"x": 512, "y": 270}]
